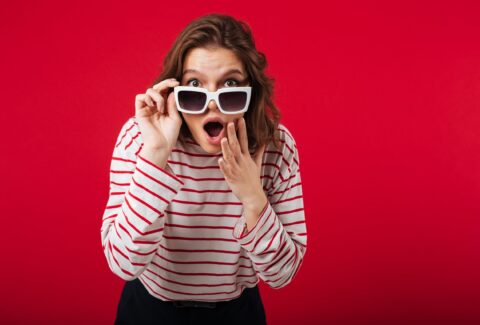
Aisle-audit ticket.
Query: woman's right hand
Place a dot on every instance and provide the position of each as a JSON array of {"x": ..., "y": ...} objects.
[{"x": 158, "y": 124}]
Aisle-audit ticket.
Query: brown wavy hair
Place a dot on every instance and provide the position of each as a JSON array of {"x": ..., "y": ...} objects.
[{"x": 219, "y": 30}]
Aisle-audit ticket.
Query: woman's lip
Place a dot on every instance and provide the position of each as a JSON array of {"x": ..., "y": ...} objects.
[
  {"x": 215, "y": 140},
  {"x": 214, "y": 119}
]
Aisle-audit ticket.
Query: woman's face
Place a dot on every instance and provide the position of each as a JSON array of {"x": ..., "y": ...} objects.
[{"x": 211, "y": 69}]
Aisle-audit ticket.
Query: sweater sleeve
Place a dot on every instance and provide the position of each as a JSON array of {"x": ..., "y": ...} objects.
[
  {"x": 133, "y": 219},
  {"x": 278, "y": 242}
]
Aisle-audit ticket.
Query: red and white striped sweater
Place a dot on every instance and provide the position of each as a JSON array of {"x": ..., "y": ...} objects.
[{"x": 182, "y": 231}]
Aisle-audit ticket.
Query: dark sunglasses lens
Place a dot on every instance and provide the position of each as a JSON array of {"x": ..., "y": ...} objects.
[
  {"x": 191, "y": 100},
  {"x": 233, "y": 101}
]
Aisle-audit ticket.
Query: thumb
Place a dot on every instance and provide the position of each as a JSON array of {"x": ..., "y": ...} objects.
[{"x": 172, "y": 106}]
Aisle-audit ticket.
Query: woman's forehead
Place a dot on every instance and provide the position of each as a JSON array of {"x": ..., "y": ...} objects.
[{"x": 219, "y": 61}]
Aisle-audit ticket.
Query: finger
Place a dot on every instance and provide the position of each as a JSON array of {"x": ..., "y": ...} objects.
[
  {"x": 140, "y": 101},
  {"x": 162, "y": 88},
  {"x": 172, "y": 105},
  {"x": 243, "y": 135},
  {"x": 228, "y": 156},
  {"x": 232, "y": 140},
  {"x": 163, "y": 85},
  {"x": 141, "y": 107},
  {"x": 158, "y": 99},
  {"x": 225, "y": 150},
  {"x": 149, "y": 100},
  {"x": 225, "y": 168}
]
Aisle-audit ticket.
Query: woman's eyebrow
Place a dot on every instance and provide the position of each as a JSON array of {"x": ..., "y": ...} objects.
[{"x": 226, "y": 73}]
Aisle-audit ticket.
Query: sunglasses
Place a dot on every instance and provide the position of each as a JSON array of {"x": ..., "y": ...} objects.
[{"x": 194, "y": 100}]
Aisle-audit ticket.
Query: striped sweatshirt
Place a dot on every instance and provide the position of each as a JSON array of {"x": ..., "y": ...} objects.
[{"x": 182, "y": 231}]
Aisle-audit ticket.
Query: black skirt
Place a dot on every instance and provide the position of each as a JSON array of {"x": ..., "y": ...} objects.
[{"x": 138, "y": 307}]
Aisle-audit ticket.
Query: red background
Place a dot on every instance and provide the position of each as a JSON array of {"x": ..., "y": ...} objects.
[{"x": 381, "y": 97}]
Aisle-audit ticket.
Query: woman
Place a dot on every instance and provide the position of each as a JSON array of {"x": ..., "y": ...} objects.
[{"x": 205, "y": 192}]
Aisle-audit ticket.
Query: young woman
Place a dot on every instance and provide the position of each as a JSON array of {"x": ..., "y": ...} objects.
[{"x": 205, "y": 192}]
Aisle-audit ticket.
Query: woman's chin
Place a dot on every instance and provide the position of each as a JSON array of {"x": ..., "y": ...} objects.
[
  {"x": 211, "y": 148},
  {"x": 208, "y": 147}
]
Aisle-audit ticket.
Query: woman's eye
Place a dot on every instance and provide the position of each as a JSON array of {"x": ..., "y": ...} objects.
[
  {"x": 188, "y": 82},
  {"x": 235, "y": 81},
  {"x": 229, "y": 82}
]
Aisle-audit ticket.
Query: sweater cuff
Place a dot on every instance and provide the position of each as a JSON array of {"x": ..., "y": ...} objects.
[{"x": 248, "y": 239}]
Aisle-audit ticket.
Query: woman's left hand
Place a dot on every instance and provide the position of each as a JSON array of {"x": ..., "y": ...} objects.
[{"x": 241, "y": 171}]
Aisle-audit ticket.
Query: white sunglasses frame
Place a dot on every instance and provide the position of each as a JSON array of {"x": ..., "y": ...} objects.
[{"x": 212, "y": 95}]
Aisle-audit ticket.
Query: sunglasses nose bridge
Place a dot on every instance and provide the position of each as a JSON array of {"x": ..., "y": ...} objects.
[{"x": 213, "y": 100}]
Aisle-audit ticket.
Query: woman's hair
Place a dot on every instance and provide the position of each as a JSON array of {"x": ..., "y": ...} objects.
[{"x": 218, "y": 30}]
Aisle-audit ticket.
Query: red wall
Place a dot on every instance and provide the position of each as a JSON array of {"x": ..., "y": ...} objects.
[{"x": 383, "y": 100}]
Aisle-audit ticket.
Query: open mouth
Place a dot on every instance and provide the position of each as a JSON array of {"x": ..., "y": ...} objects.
[{"x": 213, "y": 129}]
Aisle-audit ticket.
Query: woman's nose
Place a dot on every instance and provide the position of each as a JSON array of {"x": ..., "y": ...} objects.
[{"x": 212, "y": 105}]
